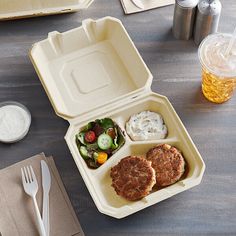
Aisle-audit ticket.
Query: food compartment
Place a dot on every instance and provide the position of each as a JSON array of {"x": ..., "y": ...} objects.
[
  {"x": 99, "y": 181},
  {"x": 147, "y": 103},
  {"x": 98, "y": 141},
  {"x": 76, "y": 145},
  {"x": 89, "y": 67},
  {"x": 123, "y": 207}
]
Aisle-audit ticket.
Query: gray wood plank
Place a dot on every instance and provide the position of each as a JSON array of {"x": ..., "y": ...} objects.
[{"x": 210, "y": 208}]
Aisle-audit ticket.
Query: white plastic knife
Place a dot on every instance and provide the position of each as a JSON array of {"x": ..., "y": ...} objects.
[
  {"x": 138, "y": 3},
  {"x": 46, "y": 182}
]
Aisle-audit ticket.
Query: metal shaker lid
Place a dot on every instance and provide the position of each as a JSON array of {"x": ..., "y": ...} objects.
[
  {"x": 187, "y": 3},
  {"x": 209, "y": 7}
]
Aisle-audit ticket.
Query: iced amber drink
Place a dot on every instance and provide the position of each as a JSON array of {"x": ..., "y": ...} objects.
[{"x": 218, "y": 69}]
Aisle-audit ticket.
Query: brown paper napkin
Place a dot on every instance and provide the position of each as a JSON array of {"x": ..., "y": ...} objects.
[
  {"x": 129, "y": 7},
  {"x": 17, "y": 216}
]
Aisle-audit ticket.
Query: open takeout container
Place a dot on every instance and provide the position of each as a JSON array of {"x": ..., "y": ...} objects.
[
  {"x": 15, "y": 9},
  {"x": 93, "y": 72}
]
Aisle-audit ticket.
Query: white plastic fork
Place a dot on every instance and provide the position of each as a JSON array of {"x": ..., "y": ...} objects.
[{"x": 30, "y": 185}]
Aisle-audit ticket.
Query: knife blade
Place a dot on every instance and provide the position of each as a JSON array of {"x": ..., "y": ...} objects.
[
  {"x": 138, "y": 3},
  {"x": 46, "y": 182}
]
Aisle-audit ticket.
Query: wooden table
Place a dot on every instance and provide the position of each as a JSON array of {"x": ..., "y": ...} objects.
[{"x": 208, "y": 209}]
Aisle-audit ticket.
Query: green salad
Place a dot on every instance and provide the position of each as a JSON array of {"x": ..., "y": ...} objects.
[{"x": 98, "y": 141}]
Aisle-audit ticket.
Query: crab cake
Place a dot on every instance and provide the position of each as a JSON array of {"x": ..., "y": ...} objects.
[
  {"x": 133, "y": 177},
  {"x": 168, "y": 164}
]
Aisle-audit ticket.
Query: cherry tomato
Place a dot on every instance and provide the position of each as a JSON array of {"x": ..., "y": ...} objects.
[
  {"x": 90, "y": 136},
  {"x": 102, "y": 157}
]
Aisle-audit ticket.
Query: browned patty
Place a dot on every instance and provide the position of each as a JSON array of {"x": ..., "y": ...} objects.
[
  {"x": 133, "y": 177},
  {"x": 168, "y": 164}
]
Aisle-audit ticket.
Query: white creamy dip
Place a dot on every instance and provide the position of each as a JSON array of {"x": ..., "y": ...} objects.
[
  {"x": 146, "y": 125},
  {"x": 14, "y": 122}
]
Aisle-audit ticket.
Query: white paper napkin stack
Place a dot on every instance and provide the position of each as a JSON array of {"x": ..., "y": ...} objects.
[{"x": 130, "y": 7}]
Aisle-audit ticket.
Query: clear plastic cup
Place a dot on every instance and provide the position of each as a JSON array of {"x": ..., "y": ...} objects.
[{"x": 218, "y": 70}]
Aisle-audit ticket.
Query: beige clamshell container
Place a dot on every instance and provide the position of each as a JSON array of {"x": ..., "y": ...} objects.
[
  {"x": 93, "y": 72},
  {"x": 15, "y": 9}
]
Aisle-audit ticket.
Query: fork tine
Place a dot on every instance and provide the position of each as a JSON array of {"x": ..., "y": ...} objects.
[
  {"x": 23, "y": 176},
  {"x": 30, "y": 175},
  {"x": 26, "y": 175}
]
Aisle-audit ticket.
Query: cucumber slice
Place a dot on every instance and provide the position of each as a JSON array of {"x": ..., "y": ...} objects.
[
  {"x": 84, "y": 152},
  {"x": 104, "y": 141},
  {"x": 80, "y": 137}
]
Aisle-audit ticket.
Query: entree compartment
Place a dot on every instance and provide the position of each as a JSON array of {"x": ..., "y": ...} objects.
[
  {"x": 117, "y": 85},
  {"x": 109, "y": 195}
]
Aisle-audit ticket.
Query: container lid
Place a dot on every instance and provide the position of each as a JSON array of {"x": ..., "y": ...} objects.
[
  {"x": 187, "y": 3},
  {"x": 209, "y": 7},
  {"x": 30, "y": 8},
  {"x": 90, "y": 67}
]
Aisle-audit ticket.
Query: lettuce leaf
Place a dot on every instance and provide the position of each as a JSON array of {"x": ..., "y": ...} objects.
[{"x": 106, "y": 123}]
